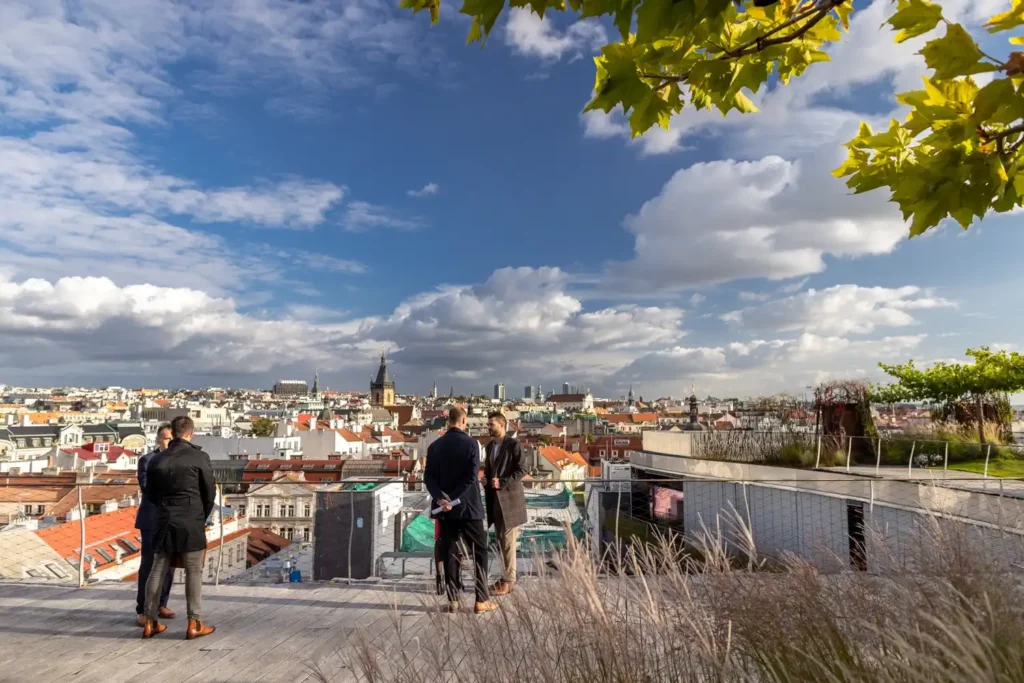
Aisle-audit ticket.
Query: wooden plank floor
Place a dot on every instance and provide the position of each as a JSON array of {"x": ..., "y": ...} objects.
[{"x": 265, "y": 633}]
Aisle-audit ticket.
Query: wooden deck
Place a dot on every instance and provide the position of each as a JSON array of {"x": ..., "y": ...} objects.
[{"x": 264, "y": 632}]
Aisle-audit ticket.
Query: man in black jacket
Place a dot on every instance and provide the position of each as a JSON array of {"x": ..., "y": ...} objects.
[
  {"x": 145, "y": 522},
  {"x": 181, "y": 486},
  {"x": 503, "y": 492},
  {"x": 452, "y": 474}
]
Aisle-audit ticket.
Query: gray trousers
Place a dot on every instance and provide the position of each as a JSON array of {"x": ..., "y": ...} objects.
[{"x": 193, "y": 583}]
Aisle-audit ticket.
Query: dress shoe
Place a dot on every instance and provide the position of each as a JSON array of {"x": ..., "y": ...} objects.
[
  {"x": 197, "y": 629},
  {"x": 152, "y": 628},
  {"x": 166, "y": 613},
  {"x": 502, "y": 588},
  {"x": 488, "y": 606}
]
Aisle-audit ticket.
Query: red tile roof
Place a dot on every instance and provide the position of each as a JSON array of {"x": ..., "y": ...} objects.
[
  {"x": 91, "y": 495},
  {"x": 556, "y": 456},
  {"x": 88, "y": 452},
  {"x": 102, "y": 532}
]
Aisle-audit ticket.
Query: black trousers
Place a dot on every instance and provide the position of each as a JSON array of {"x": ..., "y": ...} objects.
[
  {"x": 474, "y": 535},
  {"x": 145, "y": 567}
]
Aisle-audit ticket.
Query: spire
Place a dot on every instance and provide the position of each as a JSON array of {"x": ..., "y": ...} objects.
[
  {"x": 316, "y": 383},
  {"x": 383, "y": 378}
]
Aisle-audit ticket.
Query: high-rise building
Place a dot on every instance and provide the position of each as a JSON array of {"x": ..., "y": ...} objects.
[
  {"x": 499, "y": 391},
  {"x": 291, "y": 387},
  {"x": 528, "y": 392},
  {"x": 565, "y": 388}
]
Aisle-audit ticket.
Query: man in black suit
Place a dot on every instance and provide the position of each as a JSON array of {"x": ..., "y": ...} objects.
[
  {"x": 452, "y": 474},
  {"x": 181, "y": 486},
  {"x": 145, "y": 522}
]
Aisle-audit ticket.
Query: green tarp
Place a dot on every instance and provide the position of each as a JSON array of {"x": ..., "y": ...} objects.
[{"x": 419, "y": 534}]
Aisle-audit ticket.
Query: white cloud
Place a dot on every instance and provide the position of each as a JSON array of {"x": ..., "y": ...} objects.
[
  {"x": 763, "y": 366},
  {"x": 754, "y": 296},
  {"x": 771, "y": 218},
  {"x": 90, "y": 325},
  {"x": 532, "y": 36},
  {"x": 425, "y": 191},
  {"x": 839, "y": 310},
  {"x": 697, "y": 299},
  {"x": 363, "y": 216}
]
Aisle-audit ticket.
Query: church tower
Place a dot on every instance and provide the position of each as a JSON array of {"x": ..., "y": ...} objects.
[{"x": 382, "y": 389}]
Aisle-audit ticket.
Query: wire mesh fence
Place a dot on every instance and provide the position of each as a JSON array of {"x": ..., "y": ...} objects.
[{"x": 381, "y": 528}]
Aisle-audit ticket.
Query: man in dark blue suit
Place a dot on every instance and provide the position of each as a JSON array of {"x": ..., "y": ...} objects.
[
  {"x": 145, "y": 521},
  {"x": 452, "y": 474}
]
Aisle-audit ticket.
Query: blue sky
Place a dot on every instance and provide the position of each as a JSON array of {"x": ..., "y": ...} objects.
[{"x": 234, "y": 193}]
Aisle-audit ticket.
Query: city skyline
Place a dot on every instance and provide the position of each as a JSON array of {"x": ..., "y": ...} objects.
[{"x": 232, "y": 193}]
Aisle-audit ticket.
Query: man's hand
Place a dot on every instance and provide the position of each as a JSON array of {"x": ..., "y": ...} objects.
[
  {"x": 495, "y": 484},
  {"x": 445, "y": 504}
]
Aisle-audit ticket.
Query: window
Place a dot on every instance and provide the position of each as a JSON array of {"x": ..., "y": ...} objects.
[
  {"x": 28, "y": 509},
  {"x": 305, "y": 534},
  {"x": 289, "y": 510},
  {"x": 35, "y": 443},
  {"x": 307, "y": 510},
  {"x": 241, "y": 510},
  {"x": 241, "y": 552},
  {"x": 286, "y": 466},
  {"x": 615, "y": 453},
  {"x": 601, "y": 452},
  {"x": 21, "y": 443},
  {"x": 40, "y": 509},
  {"x": 264, "y": 466}
]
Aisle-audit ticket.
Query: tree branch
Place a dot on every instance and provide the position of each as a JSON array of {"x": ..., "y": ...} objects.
[
  {"x": 990, "y": 134},
  {"x": 813, "y": 14}
]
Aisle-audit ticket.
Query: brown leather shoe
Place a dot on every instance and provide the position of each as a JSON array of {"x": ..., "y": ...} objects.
[
  {"x": 488, "y": 606},
  {"x": 502, "y": 588},
  {"x": 197, "y": 629},
  {"x": 140, "y": 620},
  {"x": 166, "y": 613},
  {"x": 152, "y": 628}
]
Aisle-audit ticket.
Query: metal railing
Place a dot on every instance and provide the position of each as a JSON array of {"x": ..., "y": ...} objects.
[{"x": 375, "y": 529}]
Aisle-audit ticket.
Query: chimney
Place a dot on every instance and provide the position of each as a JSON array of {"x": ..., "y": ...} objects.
[
  {"x": 72, "y": 515},
  {"x": 312, "y": 422},
  {"x": 109, "y": 506},
  {"x": 26, "y": 421},
  {"x": 84, "y": 477}
]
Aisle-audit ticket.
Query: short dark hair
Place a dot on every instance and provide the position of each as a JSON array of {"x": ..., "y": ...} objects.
[
  {"x": 496, "y": 415},
  {"x": 182, "y": 425},
  {"x": 455, "y": 415},
  {"x": 164, "y": 426}
]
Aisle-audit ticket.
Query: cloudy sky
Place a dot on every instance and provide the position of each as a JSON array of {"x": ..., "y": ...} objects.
[{"x": 197, "y": 193}]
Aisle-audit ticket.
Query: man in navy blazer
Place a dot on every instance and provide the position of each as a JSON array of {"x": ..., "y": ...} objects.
[
  {"x": 452, "y": 474},
  {"x": 145, "y": 521}
]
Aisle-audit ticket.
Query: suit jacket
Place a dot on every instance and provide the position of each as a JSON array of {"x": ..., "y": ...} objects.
[
  {"x": 506, "y": 507},
  {"x": 181, "y": 486},
  {"x": 145, "y": 518},
  {"x": 453, "y": 469}
]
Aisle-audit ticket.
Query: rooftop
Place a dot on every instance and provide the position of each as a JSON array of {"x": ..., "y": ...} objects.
[{"x": 264, "y": 632}]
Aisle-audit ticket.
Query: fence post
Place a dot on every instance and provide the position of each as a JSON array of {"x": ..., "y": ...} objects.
[
  {"x": 81, "y": 547},
  {"x": 220, "y": 516},
  {"x": 910, "y": 463},
  {"x": 849, "y": 451},
  {"x": 945, "y": 461},
  {"x": 988, "y": 452},
  {"x": 817, "y": 461},
  {"x": 871, "y": 500},
  {"x": 878, "y": 458}
]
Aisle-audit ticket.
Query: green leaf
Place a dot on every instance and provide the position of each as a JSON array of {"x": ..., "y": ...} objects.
[
  {"x": 991, "y": 97},
  {"x": 1007, "y": 20},
  {"x": 649, "y": 111},
  {"x": 657, "y": 18},
  {"x": 914, "y": 17},
  {"x": 419, "y": 5},
  {"x": 744, "y": 105},
  {"x": 955, "y": 54},
  {"x": 484, "y": 11},
  {"x": 617, "y": 80}
]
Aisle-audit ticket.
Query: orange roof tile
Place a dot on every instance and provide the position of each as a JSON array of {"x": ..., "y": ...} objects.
[{"x": 102, "y": 532}]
